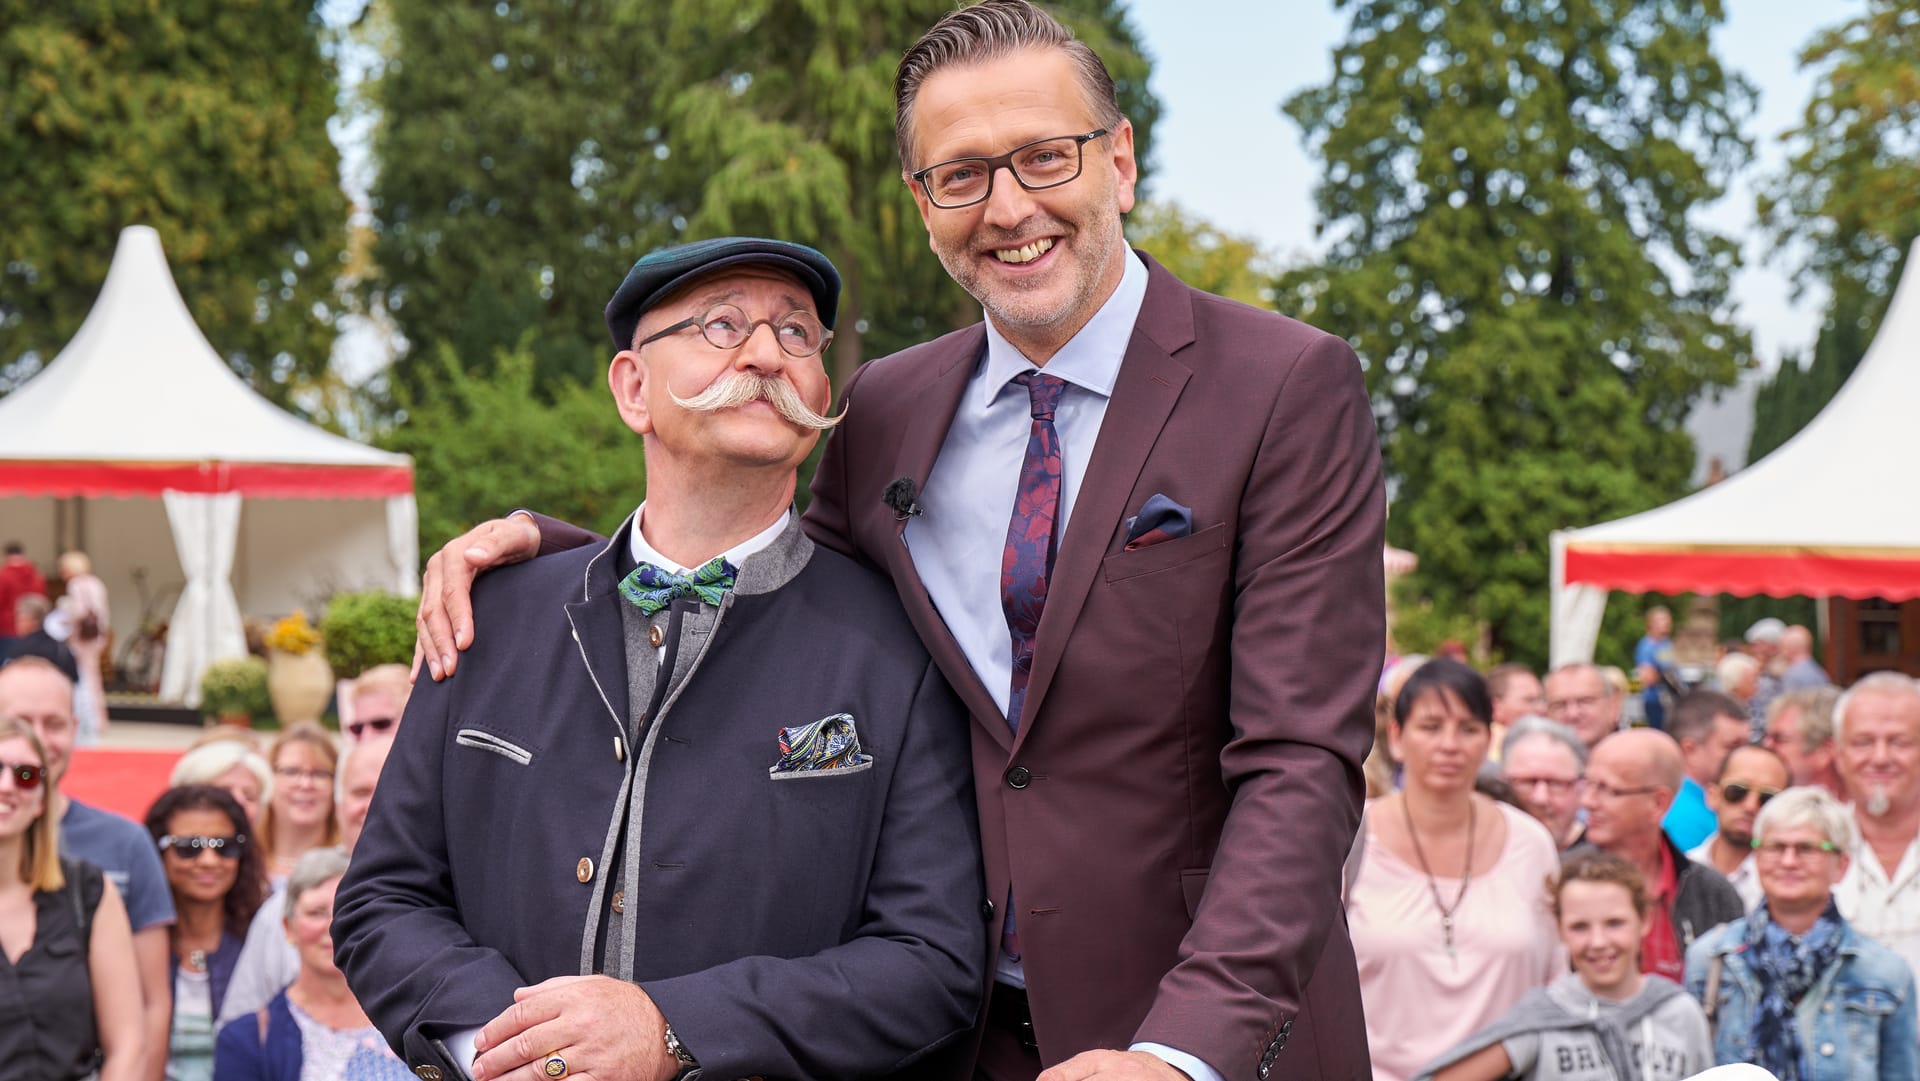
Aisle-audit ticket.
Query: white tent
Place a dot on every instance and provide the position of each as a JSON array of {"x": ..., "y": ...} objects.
[
  {"x": 1829, "y": 514},
  {"x": 139, "y": 438}
]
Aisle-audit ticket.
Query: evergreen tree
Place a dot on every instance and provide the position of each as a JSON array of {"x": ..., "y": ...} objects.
[
  {"x": 207, "y": 122},
  {"x": 1509, "y": 189}
]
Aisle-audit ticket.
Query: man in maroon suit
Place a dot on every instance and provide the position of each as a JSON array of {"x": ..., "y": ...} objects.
[{"x": 1139, "y": 528}]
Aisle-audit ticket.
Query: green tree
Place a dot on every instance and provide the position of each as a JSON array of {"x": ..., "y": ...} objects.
[
  {"x": 485, "y": 442},
  {"x": 1202, "y": 254},
  {"x": 1508, "y": 190},
  {"x": 207, "y": 122},
  {"x": 610, "y": 127}
]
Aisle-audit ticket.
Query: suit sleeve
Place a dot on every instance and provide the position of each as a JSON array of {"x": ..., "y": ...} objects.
[
  {"x": 559, "y": 536},
  {"x": 397, "y": 932},
  {"x": 908, "y": 981},
  {"x": 1306, "y": 647},
  {"x": 828, "y": 521}
]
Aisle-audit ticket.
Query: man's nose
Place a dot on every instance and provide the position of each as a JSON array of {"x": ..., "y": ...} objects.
[
  {"x": 761, "y": 352},
  {"x": 1008, "y": 204}
]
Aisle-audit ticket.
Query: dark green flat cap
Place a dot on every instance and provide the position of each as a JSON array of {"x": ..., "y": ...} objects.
[{"x": 659, "y": 273}]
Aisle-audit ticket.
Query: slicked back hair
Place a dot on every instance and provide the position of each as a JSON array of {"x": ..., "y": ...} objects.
[{"x": 994, "y": 30}]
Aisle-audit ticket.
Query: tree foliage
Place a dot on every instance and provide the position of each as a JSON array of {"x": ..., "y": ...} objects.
[
  {"x": 207, "y": 122},
  {"x": 1508, "y": 188},
  {"x": 1202, "y": 254},
  {"x": 485, "y": 442},
  {"x": 531, "y": 150}
]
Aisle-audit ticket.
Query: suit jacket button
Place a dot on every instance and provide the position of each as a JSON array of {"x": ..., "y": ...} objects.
[
  {"x": 619, "y": 900},
  {"x": 655, "y": 637},
  {"x": 1018, "y": 777},
  {"x": 986, "y": 909},
  {"x": 584, "y": 870},
  {"x": 427, "y": 1073}
]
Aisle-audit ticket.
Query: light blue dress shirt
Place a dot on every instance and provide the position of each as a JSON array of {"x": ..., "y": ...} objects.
[{"x": 957, "y": 539}]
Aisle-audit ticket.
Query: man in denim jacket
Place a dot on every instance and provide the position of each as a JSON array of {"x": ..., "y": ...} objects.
[{"x": 1792, "y": 987}]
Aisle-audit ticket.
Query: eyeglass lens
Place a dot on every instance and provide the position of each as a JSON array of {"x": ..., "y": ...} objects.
[
  {"x": 378, "y": 724},
  {"x": 186, "y": 848},
  {"x": 1047, "y": 163},
  {"x": 1738, "y": 793},
  {"x": 26, "y": 775}
]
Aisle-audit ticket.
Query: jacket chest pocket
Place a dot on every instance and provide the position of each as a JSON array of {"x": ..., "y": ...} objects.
[{"x": 1863, "y": 1013}]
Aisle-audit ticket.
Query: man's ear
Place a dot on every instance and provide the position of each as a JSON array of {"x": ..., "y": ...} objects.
[
  {"x": 627, "y": 379},
  {"x": 1120, "y": 144}
]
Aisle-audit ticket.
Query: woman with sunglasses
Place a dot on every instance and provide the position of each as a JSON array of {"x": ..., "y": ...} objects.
[
  {"x": 300, "y": 814},
  {"x": 69, "y": 991},
  {"x": 217, "y": 882},
  {"x": 1604, "y": 1021},
  {"x": 1793, "y": 987},
  {"x": 1749, "y": 777}
]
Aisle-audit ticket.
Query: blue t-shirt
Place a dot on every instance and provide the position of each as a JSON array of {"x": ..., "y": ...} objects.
[
  {"x": 124, "y": 851},
  {"x": 1690, "y": 821}
]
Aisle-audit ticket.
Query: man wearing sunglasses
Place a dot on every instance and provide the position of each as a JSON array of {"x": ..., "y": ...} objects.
[
  {"x": 1748, "y": 779},
  {"x": 32, "y": 689},
  {"x": 710, "y": 784},
  {"x": 376, "y": 700},
  {"x": 1707, "y": 725}
]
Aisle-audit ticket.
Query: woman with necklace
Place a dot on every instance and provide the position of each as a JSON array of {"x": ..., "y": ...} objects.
[
  {"x": 314, "y": 1030},
  {"x": 214, "y": 872},
  {"x": 1449, "y": 927},
  {"x": 69, "y": 993}
]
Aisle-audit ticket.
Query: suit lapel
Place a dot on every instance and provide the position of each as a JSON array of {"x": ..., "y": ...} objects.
[
  {"x": 925, "y": 432},
  {"x": 596, "y": 627},
  {"x": 1144, "y": 394}
]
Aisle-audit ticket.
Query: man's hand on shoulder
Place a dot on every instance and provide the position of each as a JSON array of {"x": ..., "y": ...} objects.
[
  {"x": 601, "y": 1027},
  {"x": 444, "y": 624},
  {"x": 1113, "y": 1066}
]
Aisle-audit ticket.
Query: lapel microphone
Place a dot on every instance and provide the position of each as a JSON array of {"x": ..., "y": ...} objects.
[{"x": 903, "y": 495}]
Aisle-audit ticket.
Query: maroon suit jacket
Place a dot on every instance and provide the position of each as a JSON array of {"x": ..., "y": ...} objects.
[
  {"x": 1188, "y": 767},
  {"x": 1198, "y": 709}
]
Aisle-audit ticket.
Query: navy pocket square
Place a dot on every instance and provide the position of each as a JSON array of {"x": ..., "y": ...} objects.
[
  {"x": 830, "y": 745},
  {"x": 1160, "y": 519}
]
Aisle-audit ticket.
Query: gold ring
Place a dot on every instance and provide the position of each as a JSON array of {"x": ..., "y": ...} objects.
[{"x": 556, "y": 1066}]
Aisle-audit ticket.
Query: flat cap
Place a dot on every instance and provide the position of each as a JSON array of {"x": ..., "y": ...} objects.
[{"x": 658, "y": 273}]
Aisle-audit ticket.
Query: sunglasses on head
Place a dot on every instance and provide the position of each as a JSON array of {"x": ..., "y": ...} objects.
[
  {"x": 378, "y": 724},
  {"x": 26, "y": 775},
  {"x": 1738, "y": 793},
  {"x": 187, "y": 848}
]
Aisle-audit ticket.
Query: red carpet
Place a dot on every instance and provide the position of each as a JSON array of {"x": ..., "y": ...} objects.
[{"x": 124, "y": 782}]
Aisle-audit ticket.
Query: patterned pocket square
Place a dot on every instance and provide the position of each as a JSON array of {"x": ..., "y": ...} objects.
[
  {"x": 829, "y": 746},
  {"x": 1159, "y": 519}
]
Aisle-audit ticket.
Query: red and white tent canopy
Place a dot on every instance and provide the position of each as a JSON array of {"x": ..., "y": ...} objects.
[
  {"x": 139, "y": 407},
  {"x": 1829, "y": 514}
]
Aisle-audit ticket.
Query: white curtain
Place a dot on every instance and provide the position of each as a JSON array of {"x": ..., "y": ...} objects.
[
  {"x": 403, "y": 543},
  {"x": 1575, "y": 611},
  {"x": 206, "y": 623}
]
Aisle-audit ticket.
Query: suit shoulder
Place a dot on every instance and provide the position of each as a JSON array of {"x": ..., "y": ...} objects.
[
  {"x": 912, "y": 364},
  {"x": 555, "y": 579},
  {"x": 1279, "y": 332}
]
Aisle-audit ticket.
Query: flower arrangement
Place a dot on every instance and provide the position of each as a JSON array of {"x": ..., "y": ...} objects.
[{"x": 294, "y": 634}]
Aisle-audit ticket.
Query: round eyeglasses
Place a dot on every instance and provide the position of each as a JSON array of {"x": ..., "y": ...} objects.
[
  {"x": 1045, "y": 163},
  {"x": 725, "y": 326}
]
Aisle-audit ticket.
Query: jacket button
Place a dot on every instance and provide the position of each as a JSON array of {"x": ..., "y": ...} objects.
[
  {"x": 655, "y": 637},
  {"x": 986, "y": 909},
  {"x": 619, "y": 900},
  {"x": 1826, "y": 1049},
  {"x": 583, "y": 870},
  {"x": 427, "y": 1073},
  {"x": 1018, "y": 777}
]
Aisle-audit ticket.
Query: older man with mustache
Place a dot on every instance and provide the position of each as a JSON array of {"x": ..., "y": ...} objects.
[
  {"x": 708, "y": 807},
  {"x": 1876, "y": 726}
]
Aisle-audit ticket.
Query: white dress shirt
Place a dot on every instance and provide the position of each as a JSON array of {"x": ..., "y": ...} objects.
[{"x": 1884, "y": 907}]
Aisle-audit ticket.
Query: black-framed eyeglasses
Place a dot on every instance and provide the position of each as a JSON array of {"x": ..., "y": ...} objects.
[
  {"x": 190, "y": 847},
  {"x": 1037, "y": 166},
  {"x": 26, "y": 775},
  {"x": 1735, "y": 792},
  {"x": 725, "y": 326},
  {"x": 378, "y": 724}
]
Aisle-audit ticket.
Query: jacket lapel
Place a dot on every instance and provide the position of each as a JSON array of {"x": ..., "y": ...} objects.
[
  {"x": 596, "y": 628},
  {"x": 1144, "y": 394},
  {"x": 925, "y": 432}
]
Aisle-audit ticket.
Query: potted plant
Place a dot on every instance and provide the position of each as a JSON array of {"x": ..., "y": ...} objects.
[
  {"x": 235, "y": 691},
  {"x": 298, "y": 679},
  {"x": 366, "y": 629}
]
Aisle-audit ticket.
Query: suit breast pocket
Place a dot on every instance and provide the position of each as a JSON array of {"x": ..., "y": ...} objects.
[
  {"x": 1167, "y": 555},
  {"x": 482, "y": 740}
]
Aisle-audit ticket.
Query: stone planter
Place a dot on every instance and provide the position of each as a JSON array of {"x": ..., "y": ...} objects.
[{"x": 299, "y": 685}]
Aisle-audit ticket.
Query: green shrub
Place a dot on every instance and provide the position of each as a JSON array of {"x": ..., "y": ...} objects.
[
  {"x": 236, "y": 686},
  {"x": 365, "y": 629}
]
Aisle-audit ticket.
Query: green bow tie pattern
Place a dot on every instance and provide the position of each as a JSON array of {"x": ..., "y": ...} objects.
[{"x": 650, "y": 588}]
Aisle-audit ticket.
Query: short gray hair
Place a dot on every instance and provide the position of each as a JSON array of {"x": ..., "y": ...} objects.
[
  {"x": 1895, "y": 684},
  {"x": 1807, "y": 806},
  {"x": 215, "y": 757},
  {"x": 314, "y": 868},
  {"x": 1816, "y": 713},
  {"x": 1533, "y": 725},
  {"x": 994, "y": 30},
  {"x": 1733, "y": 668}
]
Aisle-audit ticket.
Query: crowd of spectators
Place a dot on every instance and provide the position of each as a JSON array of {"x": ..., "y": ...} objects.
[
  {"x": 195, "y": 948},
  {"x": 1741, "y": 885}
]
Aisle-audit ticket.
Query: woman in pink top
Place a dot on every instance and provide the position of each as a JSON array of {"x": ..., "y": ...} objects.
[{"x": 1445, "y": 901}]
